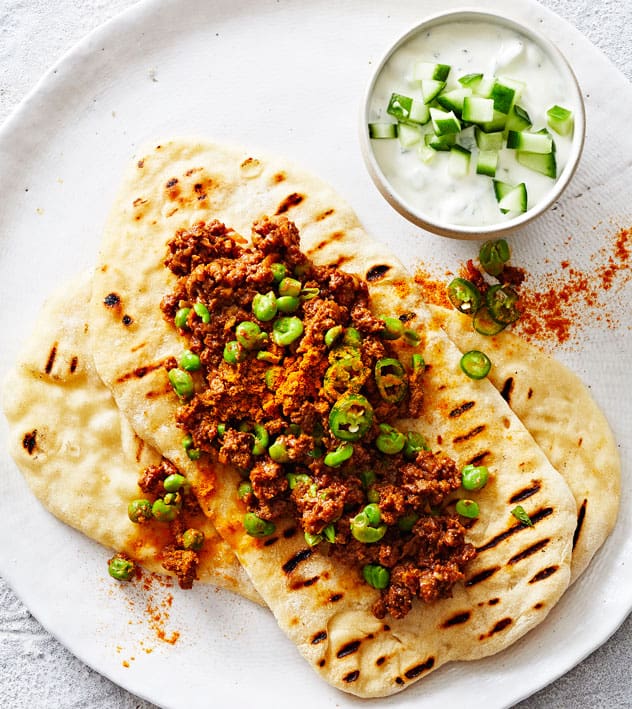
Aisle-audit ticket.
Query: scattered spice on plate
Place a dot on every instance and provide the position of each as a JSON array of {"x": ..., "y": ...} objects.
[{"x": 557, "y": 306}]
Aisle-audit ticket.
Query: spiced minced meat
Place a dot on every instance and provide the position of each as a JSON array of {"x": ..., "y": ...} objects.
[
  {"x": 290, "y": 377},
  {"x": 170, "y": 504}
]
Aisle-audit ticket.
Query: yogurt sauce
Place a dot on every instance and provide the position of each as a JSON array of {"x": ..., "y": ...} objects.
[{"x": 469, "y": 47}]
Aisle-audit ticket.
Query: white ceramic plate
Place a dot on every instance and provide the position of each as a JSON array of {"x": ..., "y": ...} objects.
[{"x": 285, "y": 77}]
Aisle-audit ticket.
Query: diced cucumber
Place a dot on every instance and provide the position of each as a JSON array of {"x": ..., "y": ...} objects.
[
  {"x": 506, "y": 92},
  {"x": 431, "y": 88},
  {"x": 489, "y": 141},
  {"x": 425, "y": 152},
  {"x": 518, "y": 119},
  {"x": 515, "y": 201},
  {"x": 502, "y": 96},
  {"x": 477, "y": 109},
  {"x": 502, "y": 189},
  {"x": 497, "y": 123},
  {"x": 484, "y": 87},
  {"x": 442, "y": 143},
  {"x": 532, "y": 142},
  {"x": 399, "y": 106},
  {"x": 545, "y": 131},
  {"x": 407, "y": 109},
  {"x": 428, "y": 70},
  {"x": 471, "y": 80},
  {"x": 444, "y": 122},
  {"x": 409, "y": 135},
  {"x": 459, "y": 161},
  {"x": 544, "y": 163},
  {"x": 419, "y": 112},
  {"x": 382, "y": 130},
  {"x": 453, "y": 100},
  {"x": 560, "y": 119},
  {"x": 467, "y": 138},
  {"x": 487, "y": 162}
]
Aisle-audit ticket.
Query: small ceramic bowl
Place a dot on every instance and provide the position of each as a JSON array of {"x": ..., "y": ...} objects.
[{"x": 420, "y": 185}]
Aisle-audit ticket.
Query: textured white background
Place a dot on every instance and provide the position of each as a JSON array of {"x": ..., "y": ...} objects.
[{"x": 35, "y": 670}]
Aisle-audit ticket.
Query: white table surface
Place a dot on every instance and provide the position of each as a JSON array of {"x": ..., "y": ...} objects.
[{"x": 37, "y": 671}]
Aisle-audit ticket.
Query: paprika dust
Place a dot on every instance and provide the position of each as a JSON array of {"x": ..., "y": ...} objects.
[{"x": 558, "y": 305}]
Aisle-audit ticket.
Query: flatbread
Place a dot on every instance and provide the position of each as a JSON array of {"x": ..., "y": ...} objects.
[
  {"x": 79, "y": 456},
  {"x": 562, "y": 416},
  {"x": 520, "y": 571}
]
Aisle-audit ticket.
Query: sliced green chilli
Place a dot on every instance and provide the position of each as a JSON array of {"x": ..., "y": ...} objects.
[
  {"x": 475, "y": 364},
  {"x": 464, "y": 295}
]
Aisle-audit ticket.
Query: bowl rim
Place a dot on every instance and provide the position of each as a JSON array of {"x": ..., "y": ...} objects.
[{"x": 462, "y": 231}]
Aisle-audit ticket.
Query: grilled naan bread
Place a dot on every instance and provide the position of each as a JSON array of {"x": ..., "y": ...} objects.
[
  {"x": 80, "y": 457},
  {"x": 520, "y": 571},
  {"x": 561, "y": 415}
]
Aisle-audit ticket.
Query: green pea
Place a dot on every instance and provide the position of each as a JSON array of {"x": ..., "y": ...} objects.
[
  {"x": 249, "y": 335},
  {"x": 295, "y": 479},
  {"x": 261, "y": 439},
  {"x": 367, "y": 477},
  {"x": 330, "y": 533},
  {"x": 352, "y": 337},
  {"x": 190, "y": 361},
  {"x": 173, "y": 499},
  {"x": 121, "y": 569},
  {"x": 376, "y": 575},
  {"x": 286, "y": 330},
  {"x": 164, "y": 512},
  {"x": 182, "y": 383},
  {"x": 373, "y": 514},
  {"x": 301, "y": 270},
  {"x": 221, "y": 429},
  {"x": 522, "y": 516},
  {"x": 290, "y": 286},
  {"x": 271, "y": 377},
  {"x": 174, "y": 482},
  {"x": 363, "y": 531},
  {"x": 244, "y": 489},
  {"x": 467, "y": 508},
  {"x": 139, "y": 511},
  {"x": 418, "y": 362},
  {"x": 412, "y": 337},
  {"x": 393, "y": 328},
  {"x": 390, "y": 440},
  {"x": 407, "y": 522},
  {"x": 313, "y": 539},
  {"x": 333, "y": 334},
  {"x": 279, "y": 271},
  {"x": 264, "y": 306},
  {"x": 372, "y": 494},
  {"x": 288, "y": 304},
  {"x": 270, "y": 357},
  {"x": 187, "y": 441},
  {"x": 474, "y": 477},
  {"x": 309, "y": 293},
  {"x": 193, "y": 539},
  {"x": 202, "y": 312},
  {"x": 339, "y": 456},
  {"x": 415, "y": 443},
  {"x": 257, "y": 527},
  {"x": 278, "y": 452},
  {"x": 181, "y": 318},
  {"x": 234, "y": 352}
]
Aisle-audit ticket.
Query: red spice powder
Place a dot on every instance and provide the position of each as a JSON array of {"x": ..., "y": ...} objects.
[
  {"x": 559, "y": 304},
  {"x": 157, "y": 607}
]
